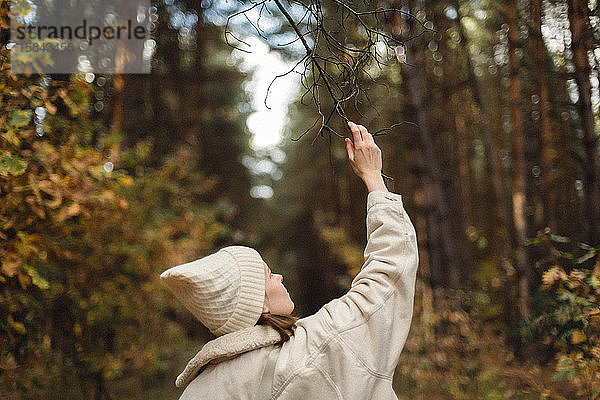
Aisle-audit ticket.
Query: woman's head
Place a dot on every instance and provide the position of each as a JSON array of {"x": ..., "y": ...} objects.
[
  {"x": 224, "y": 290},
  {"x": 229, "y": 290}
]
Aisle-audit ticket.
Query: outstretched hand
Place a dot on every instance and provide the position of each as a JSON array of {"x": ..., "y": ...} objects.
[{"x": 365, "y": 157}]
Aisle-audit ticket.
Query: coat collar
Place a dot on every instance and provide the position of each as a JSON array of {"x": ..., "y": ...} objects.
[{"x": 227, "y": 346}]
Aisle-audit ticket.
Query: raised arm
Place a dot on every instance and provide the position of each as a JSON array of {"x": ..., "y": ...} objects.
[{"x": 371, "y": 321}]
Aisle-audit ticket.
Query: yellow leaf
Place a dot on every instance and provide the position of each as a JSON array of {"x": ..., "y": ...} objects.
[
  {"x": 9, "y": 223},
  {"x": 18, "y": 327},
  {"x": 73, "y": 209},
  {"x": 9, "y": 267},
  {"x": 77, "y": 329},
  {"x": 36, "y": 278},
  {"x": 11, "y": 137},
  {"x": 553, "y": 274},
  {"x": 125, "y": 180},
  {"x": 24, "y": 279},
  {"x": 578, "y": 337},
  {"x": 50, "y": 107}
]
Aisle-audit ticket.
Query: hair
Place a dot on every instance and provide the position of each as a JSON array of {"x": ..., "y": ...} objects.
[{"x": 284, "y": 324}]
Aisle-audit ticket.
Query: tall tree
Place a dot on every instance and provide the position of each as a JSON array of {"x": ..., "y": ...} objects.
[
  {"x": 581, "y": 45},
  {"x": 542, "y": 86},
  {"x": 519, "y": 167}
]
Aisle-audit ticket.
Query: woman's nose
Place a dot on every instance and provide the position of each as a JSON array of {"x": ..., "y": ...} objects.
[{"x": 280, "y": 277}]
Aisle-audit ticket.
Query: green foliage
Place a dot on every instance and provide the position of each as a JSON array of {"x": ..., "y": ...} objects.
[
  {"x": 20, "y": 118},
  {"x": 12, "y": 165},
  {"x": 569, "y": 321},
  {"x": 82, "y": 252},
  {"x": 454, "y": 354},
  {"x": 81, "y": 305}
]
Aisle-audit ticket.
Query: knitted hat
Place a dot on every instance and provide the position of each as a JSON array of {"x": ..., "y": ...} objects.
[{"x": 224, "y": 290}]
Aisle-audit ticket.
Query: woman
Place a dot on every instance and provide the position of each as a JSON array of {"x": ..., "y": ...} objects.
[{"x": 347, "y": 350}]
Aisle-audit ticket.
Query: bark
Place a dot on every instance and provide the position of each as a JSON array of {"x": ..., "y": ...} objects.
[
  {"x": 118, "y": 83},
  {"x": 519, "y": 193},
  {"x": 581, "y": 41},
  {"x": 541, "y": 77},
  {"x": 457, "y": 140},
  {"x": 429, "y": 234},
  {"x": 464, "y": 170},
  {"x": 433, "y": 240},
  {"x": 569, "y": 204},
  {"x": 122, "y": 55},
  {"x": 426, "y": 288},
  {"x": 569, "y": 207}
]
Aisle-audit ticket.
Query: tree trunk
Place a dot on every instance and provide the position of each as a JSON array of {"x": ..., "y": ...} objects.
[
  {"x": 542, "y": 87},
  {"x": 581, "y": 41},
  {"x": 569, "y": 204},
  {"x": 416, "y": 87},
  {"x": 421, "y": 188},
  {"x": 118, "y": 83},
  {"x": 519, "y": 195}
]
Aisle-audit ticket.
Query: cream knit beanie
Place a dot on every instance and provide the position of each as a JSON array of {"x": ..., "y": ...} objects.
[{"x": 224, "y": 290}]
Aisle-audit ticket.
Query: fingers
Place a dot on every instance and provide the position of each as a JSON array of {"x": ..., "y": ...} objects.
[
  {"x": 364, "y": 155},
  {"x": 360, "y": 133},
  {"x": 364, "y": 134},
  {"x": 355, "y": 133},
  {"x": 349, "y": 148}
]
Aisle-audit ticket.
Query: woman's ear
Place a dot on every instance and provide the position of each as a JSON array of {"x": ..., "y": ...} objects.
[{"x": 265, "y": 306}]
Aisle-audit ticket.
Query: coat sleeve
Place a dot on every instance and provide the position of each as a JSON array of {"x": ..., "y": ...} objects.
[{"x": 372, "y": 320}]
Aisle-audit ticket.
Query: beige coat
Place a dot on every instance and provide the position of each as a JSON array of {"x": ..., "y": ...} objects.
[{"x": 347, "y": 350}]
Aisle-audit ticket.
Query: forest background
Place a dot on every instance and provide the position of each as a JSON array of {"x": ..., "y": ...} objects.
[{"x": 106, "y": 181}]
